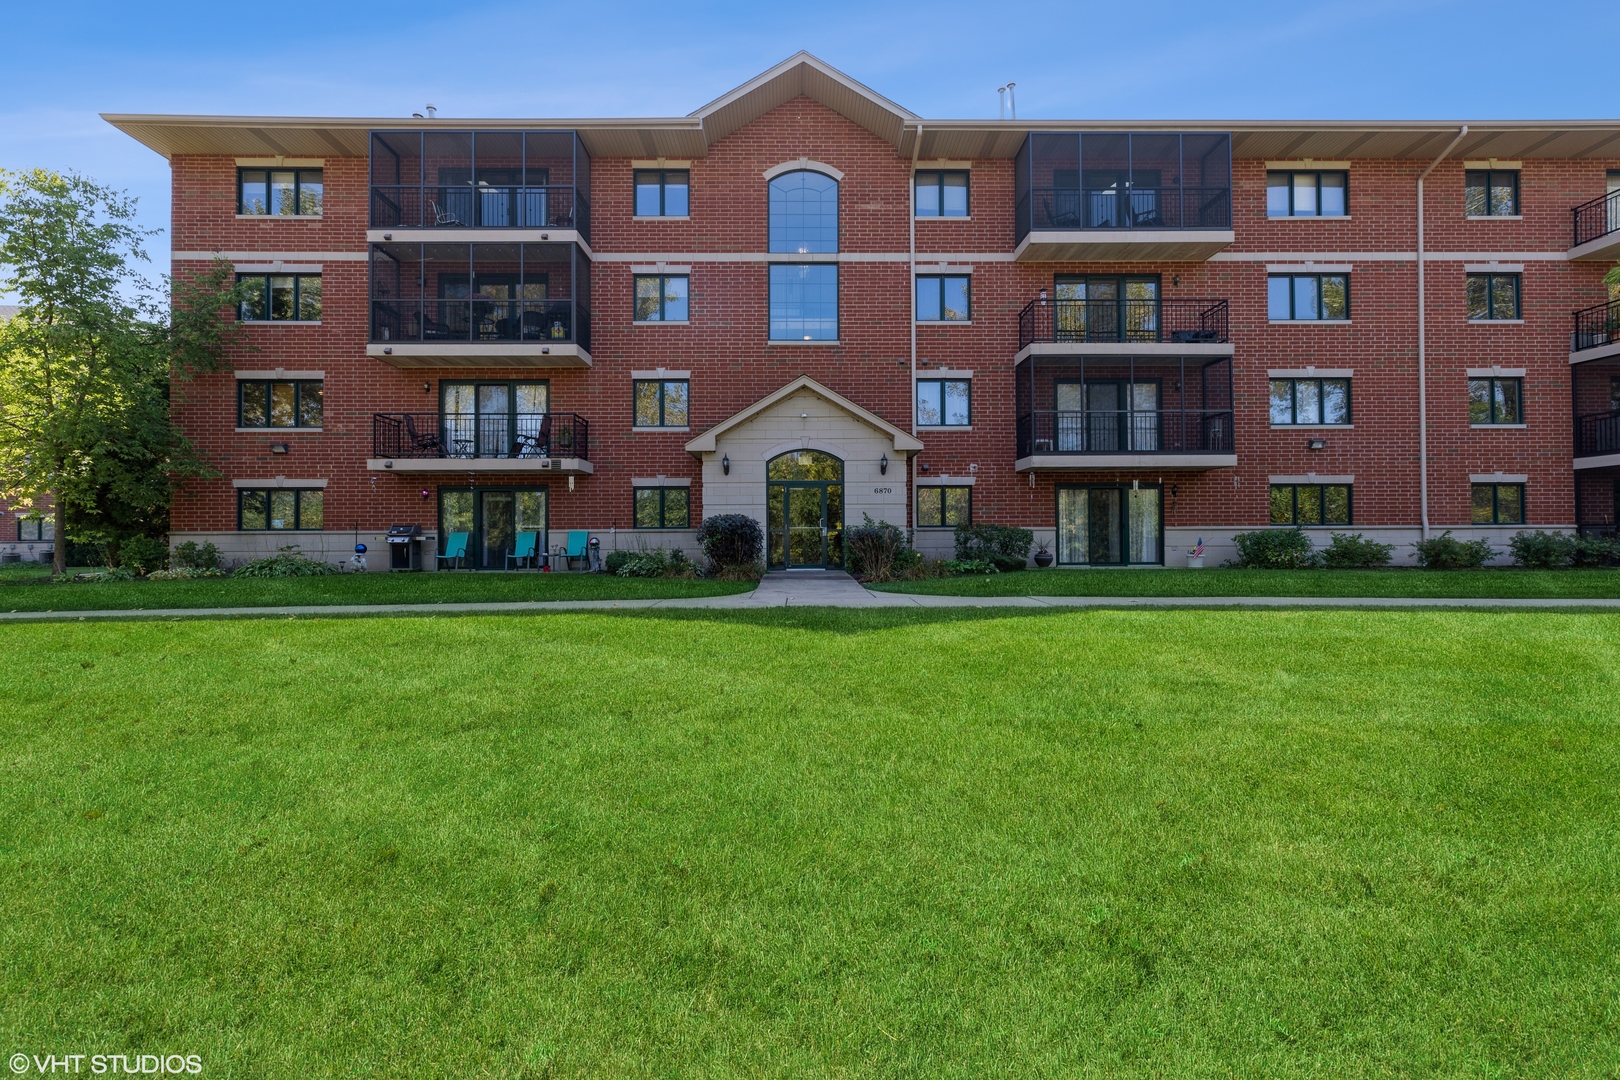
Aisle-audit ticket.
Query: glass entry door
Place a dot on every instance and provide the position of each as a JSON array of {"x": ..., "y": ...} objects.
[
  {"x": 804, "y": 511},
  {"x": 1109, "y": 524}
]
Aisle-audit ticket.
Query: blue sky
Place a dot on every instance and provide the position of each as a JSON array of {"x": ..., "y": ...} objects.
[{"x": 1479, "y": 59}]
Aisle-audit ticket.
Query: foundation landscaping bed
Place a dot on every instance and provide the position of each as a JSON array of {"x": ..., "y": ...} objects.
[{"x": 751, "y": 844}]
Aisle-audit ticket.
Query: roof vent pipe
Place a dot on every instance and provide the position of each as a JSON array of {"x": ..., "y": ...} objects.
[
  {"x": 1004, "y": 94},
  {"x": 433, "y": 112}
]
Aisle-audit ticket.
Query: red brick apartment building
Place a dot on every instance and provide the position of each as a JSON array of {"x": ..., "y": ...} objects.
[{"x": 804, "y": 303}]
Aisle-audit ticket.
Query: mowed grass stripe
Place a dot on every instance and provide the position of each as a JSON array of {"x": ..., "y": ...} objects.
[{"x": 875, "y": 843}]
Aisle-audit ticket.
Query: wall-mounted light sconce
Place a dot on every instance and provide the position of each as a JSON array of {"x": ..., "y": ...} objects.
[
  {"x": 1043, "y": 297},
  {"x": 923, "y": 466},
  {"x": 725, "y": 464},
  {"x": 388, "y": 350},
  {"x": 1175, "y": 280},
  {"x": 388, "y": 236},
  {"x": 424, "y": 493},
  {"x": 883, "y": 465},
  {"x": 426, "y": 387},
  {"x": 1316, "y": 444},
  {"x": 278, "y": 448}
]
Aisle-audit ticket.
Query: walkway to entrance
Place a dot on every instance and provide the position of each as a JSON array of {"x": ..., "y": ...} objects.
[{"x": 825, "y": 588}]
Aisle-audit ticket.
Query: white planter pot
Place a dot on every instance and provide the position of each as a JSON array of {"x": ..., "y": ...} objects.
[{"x": 1195, "y": 562}]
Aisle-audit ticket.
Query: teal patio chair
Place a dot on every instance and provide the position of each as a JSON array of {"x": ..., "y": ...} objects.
[
  {"x": 455, "y": 550},
  {"x": 526, "y": 547},
  {"x": 578, "y": 539}
]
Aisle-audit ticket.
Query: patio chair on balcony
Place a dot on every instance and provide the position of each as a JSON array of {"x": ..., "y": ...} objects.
[
  {"x": 535, "y": 444},
  {"x": 443, "y": 217},
  {"x": 422, "y": 445},
  {"x": 455, "y": 550},
  {"x": 525, "y": 550}
]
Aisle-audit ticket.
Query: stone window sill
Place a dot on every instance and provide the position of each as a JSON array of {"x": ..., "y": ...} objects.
[
  {"x": 1497, "y": 427},
  {"x": 279, "y": 430},
  {"x": 661, "y": 427}
]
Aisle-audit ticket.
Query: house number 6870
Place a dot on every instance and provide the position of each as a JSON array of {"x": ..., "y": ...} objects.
[{"x": 883, "y": 491}]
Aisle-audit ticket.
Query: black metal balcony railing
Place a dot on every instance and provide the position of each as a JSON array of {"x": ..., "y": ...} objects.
[
  {"x": 485, "y": 206},
  {"x": 1165, "y": 431},
  {"x": 558, "y": 322},
  {"x": 1132, "y": 208},
  {"x": 1188, "y": 322},
  {"x": 1596, "y": 326},
  {"x": 468, "y": 435},
  {"x": 1597, "y": 433},
  {"x": 1600, "y": 217}
]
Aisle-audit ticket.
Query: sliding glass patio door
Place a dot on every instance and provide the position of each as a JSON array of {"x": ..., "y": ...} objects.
[{"x": 1109, "y": 524}]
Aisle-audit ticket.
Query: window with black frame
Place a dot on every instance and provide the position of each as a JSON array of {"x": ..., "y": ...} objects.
[
  {"x": 281, "y": 297},
  {"x": 1308, "y": 297},
  {"x": 1492, "y": 297},
  {"x": 280, "y": 192},
  {"x": 1310, "y": 504},
  {"x": 944, "y": 402},
  {"x": 274, "y": 403},
  {"x": 1106, "y": 307},
  {"x": 1496, "y": 504},
  {"x": 1491, "y": 193},
  {"x": 663, "y": 507},
  {"x": 662, "y": 403},
  {"x": 1307, "y": 194},
  {"x": 944, "y": 297},
  {"x": 663, "y": 192},
  {"x": 944, "y": 506},
  {"x": 662, "y": 298},
  {"x": 500, "y": 419},
  {"x": 1495, "y": 401},
  {"x": 942, "y": 193},
  {"x": 1310, "y": 401},
  {"x": 273, "y": 509},
  {"x": 36, "y": 529}
]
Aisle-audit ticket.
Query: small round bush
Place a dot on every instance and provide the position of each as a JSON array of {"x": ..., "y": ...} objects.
[
  {"x": 1445, "y": 552},
  {"x": 1275, "y": 549},
  {"x": 731, "y": 540}
]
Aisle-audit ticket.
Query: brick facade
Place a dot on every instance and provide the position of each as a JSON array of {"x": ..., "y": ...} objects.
[{"x": 733, "y": 365}]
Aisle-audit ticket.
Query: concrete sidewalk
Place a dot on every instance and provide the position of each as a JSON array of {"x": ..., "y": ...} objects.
[{"x": 819, "y": 588}]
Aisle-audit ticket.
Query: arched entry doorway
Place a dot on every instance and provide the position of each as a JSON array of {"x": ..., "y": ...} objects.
[{"x": 804, "y": 510}]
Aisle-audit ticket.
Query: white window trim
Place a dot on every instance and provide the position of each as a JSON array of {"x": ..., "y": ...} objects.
[
  {"x": 1498, "y": 478},
  {"x": 942, "y": 373},
  {"x": 660, "y": 481},
  {"x": 1308, "y": 217},
  {"x": 277, "y": 268},
  {"x": 946, "y": 428},
  {"x": 1496, "y": 427},
  {"x": 1493, "y": 217},
  {"x": 1496, "y": 373},
  {"x": 279, "y": 482},
  {"x": 282, "y": 375},
  {"x": 1311, "y": 427},
  {"x": 664, "y": 269},
  {"x": 660, "y": 322},
  {"x": 801, "y": 165},
  {"x": 1308, "y": 322},
  {"x": 1311, "y": 373},
  {"x": 1495, "y": 322},
  {"x": 1307, "y": 165},
  {"x": 280, "y": 217},
  {"x": 661, "y": 217},
  {"x": 1492, "y": 163},
  {"x": 771, "y": 342},
  {"x": 280, "y": 163},
  {"x": 1314, "y": 478},
  {"x": 1309, "y": 267},
  {"x": 652, "y": 427},
  {"x": 944, "y": 322},
  {"x": 660, "y": 373},
  {"x": 659, "y": 163},
  {"x": 946, "y": 481},
  {"x": 278, "y": 430},
  {"x": 1493, "y": 268},
  {"x": 277, "y": 322}
]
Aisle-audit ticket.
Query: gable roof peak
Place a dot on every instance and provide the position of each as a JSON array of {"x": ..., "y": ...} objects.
[{"x": 804, "y": 75}]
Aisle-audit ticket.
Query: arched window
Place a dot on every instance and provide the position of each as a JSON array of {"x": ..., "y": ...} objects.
[
  {"x": 805, "y": 465},
  {"x": 804, "y": 212}
]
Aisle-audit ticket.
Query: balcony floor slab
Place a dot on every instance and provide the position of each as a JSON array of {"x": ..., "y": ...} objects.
[
  {"x": 560, "y": 466},
  {"x": 471, "y": 354},
  {"x": 1600, "y": 352},
  {"x": 1123, "y": 245},
  {"x": 1598, "y": 461},
  {"x": 458, "y": 235},
  {"x": 1079, "y": 462},
  {"x": 1602, "y": 249},
  {"x": 1121, "y": 348}
]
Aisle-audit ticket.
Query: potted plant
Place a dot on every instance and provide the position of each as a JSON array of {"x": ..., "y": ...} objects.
[
  {"x": 1043, "y": 558},
  {"x": 1195, "y": 555}
]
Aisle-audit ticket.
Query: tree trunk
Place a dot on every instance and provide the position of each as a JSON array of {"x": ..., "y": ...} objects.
[{"x": 59, "y": 545}]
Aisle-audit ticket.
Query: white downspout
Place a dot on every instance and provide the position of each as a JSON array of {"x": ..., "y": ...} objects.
[
  {"x": 1423, "y": 343},
  {"x": 911, "y": 286}
]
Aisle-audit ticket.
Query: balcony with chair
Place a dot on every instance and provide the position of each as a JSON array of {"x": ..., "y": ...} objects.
[
  {"x": 1597, "y": 229},
  {"x": 1124, "y": 326},
  {"x": 1124, "y": 412},
  {"x": 529, "y": 185},
  {"x": 450, "y": 305},
  {"x": 1123, "y": 196},
  {"x": 474, "y": 442}
]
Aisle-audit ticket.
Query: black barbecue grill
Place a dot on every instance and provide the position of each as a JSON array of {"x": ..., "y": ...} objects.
[{"x": 405, "y": 547}]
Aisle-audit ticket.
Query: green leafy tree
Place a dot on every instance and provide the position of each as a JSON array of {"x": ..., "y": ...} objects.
[{"x": 86, "y": 372}]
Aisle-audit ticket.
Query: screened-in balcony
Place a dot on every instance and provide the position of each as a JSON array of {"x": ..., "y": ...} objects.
[
  {"x": 475, "y": 180},
  {"x": 510, "y": 439},
  {"x": 480, "y": 305},
  {"x": 1145, "y": 327},
  {"x": 1597, "y": 228},
  {"x": 1126, "y": 197},
  {"x": 1078, "y": 412},
  {"x": 1597, "y": 413}
]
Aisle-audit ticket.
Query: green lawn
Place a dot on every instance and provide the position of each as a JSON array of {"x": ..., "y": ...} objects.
[
  {"x": 1493, "y": 584},
  {"x": 32, "y": 592},
  {"x": 818, "y": 844}
]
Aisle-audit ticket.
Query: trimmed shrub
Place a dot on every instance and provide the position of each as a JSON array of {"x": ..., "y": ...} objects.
[
  {"x": 1354, "y": 552},
  {"x": 1005, "y": 545},
  {"x": 1275, "y": 549},
  {"x": 1444, "y": 552},
  {"x": 1590, "y": 551},
  {"x": 143, "y": 554},
  {"x": 878, "y": 550},
  {"x": 285, "y": 563},
  {"x": 615, "y": 561},
  {"x": 957, "y": 567},
  {"x": 192, "y": 556},
  {"x": 1542, "y": 550},
  {"x": 655, "y": 563},
  {"x": 731, "y": 540}
]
